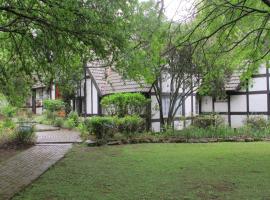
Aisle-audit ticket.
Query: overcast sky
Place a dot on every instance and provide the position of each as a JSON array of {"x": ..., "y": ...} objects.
[{"x": 177, "y": 10}]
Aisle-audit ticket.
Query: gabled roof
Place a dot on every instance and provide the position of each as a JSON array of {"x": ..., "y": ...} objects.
[{"x": 109, "y": 81}]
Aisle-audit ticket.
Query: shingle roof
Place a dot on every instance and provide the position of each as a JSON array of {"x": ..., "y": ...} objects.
[
  {"x": 234, "y": 81},
  {"x": 38, "y": 84},
  {"x": 109, "y": 81}
]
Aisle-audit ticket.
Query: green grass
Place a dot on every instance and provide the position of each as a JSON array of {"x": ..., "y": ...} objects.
[{"x": 158, "y": 171}]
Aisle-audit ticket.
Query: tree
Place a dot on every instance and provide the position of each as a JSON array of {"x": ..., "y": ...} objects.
[
  {"x": 153, "y": 57},
  {"x": 52, "y": 39},
  {"x": 228, "y": 35}
]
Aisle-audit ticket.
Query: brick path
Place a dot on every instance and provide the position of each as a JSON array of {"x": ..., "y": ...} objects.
[
  {"x": 43, "y": 127},
  {"x": 60, "y": 136},
  {"x": 20, "y": 170},
  {"x": 23, "y": 168}
]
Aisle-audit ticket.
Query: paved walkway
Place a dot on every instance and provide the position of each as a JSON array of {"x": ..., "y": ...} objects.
[
  {"x": 43, "y": 127},
  {"x": 23, "y": 168},
  {"x": 58, "y": 136},
  {"x": 20, "y": 170}
]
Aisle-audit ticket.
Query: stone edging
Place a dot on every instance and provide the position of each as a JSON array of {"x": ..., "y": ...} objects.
[{"x": 178, "y": 140}]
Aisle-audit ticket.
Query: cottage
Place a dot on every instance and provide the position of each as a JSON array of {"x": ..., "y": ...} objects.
[
  {"x": 100, "y": 81},
  {"x": 241, "y": 102},
  {"x": 40, "y": 92}
]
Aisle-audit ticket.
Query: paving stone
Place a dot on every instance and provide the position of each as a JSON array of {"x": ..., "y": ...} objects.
[
  {"x": 59, "y": 136},
  {"x": 23, "y": 168},
  {"x": 43, "y": 127}
]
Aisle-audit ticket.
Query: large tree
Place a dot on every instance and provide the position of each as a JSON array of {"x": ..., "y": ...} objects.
[
  {"x": 153, "y": 57},
  {"x": 51, "y": 39},
  {"x": 228, "y": 35}
]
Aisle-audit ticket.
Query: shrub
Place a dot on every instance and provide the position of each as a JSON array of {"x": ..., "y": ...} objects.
[
  {"x": 8, "y": 123},
  {"x": 256, "y": 122},
  {"x": 70, "y": 123},
  {"x": 101, "y": 127},
  {"x": 24, "y": 134},
  {"x": 208, "y": 132},
  {"x": 8, "y": 111},
  {"x": 73, "y": 116},
  {"x": 58, "y": 122},
  {"x": 204, "y": 121},
  {"x": 130, "y": 124},
  {"x": 83, "y": 130},
  {"x": 122, "y": 104},
  {"x": 53, "y": 105}
]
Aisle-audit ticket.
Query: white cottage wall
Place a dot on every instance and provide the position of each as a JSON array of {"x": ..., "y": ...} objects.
[{"x": 251, "y": 101}]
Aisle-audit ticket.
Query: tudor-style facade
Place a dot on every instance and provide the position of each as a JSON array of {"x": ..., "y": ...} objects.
[
  {"x": 241, "y": 102},
  {"x": 100, "y": 81},
  {"x": 40, "y": 92}
]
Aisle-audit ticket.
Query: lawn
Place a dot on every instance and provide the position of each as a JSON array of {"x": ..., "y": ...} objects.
[{"x": 158, "y": 171}]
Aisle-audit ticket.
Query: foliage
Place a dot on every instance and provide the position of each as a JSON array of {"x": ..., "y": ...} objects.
[
  {"x": 83, "y": 130},
  {"x": 52, "y": 40},
  {"x": 101, "y": 127},
  {"x": 153, "y": 56},
  {"x": 24, "y": 134},
  {"x": 130, "y": 124},
  {"x": 256, "y": 122},
  {"x": 3, "y": 100},
  {"x": 53, "y": 105},
  {"x": 59, "y": 122},
  {"x": 8, "y": 111},
  {"x": 122, "y": 104},
  {"x": 205, "y": 121},
  {"x": 226, "y": 39},
  {"x": 69, "y": 123},
  {"x": 105, "y": 127},
  {"x": 73, "y": 116}
]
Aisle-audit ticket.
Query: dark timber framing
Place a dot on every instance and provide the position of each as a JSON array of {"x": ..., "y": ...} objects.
[
  {"x": 247, "y": 94},
  {"x": 229, "y": 111},
  {"x": 247, "y": 99}
]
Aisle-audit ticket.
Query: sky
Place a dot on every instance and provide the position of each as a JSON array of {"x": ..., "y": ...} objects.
[{"x": 178, "y": 10}]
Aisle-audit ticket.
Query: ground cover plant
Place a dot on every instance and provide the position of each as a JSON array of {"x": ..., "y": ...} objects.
[{"x": 158, "y": 171}]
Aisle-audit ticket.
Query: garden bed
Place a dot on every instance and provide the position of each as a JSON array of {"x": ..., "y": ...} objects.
[{"x": 178, "y": 140}]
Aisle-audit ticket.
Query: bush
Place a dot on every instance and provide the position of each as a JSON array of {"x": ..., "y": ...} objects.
[
  {"x": 50, "y": 115},
  {"x": 53, "y": 105},
  {"x": 24, "y": 134},
  {"x": 102, "y": 127},
  {"x": 205, "y": 121},
  {"x": 130, "y": 124},
  {"x": 122, "y": 104},
  {"x": 256, "y": 122},
  {"x": 105, "y": 127},
  {"x": 8, "y": 123},
  {"x": 69, "y": 123},
  {"x": 58, "y": 122},
  {"x": 73, "y": 116},
  {"x": 83, "y": 130},
  {"x": 8, "y": 111}
]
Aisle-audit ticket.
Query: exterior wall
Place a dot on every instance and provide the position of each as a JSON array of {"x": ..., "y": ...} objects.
[
  {"x": 91, "y": 98},
  {"x": 35, "y": 101},
  {"x": 251, "y": 101},
  {"x": 188, "y": 108},
  {"x": 90, "y": 105}
]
